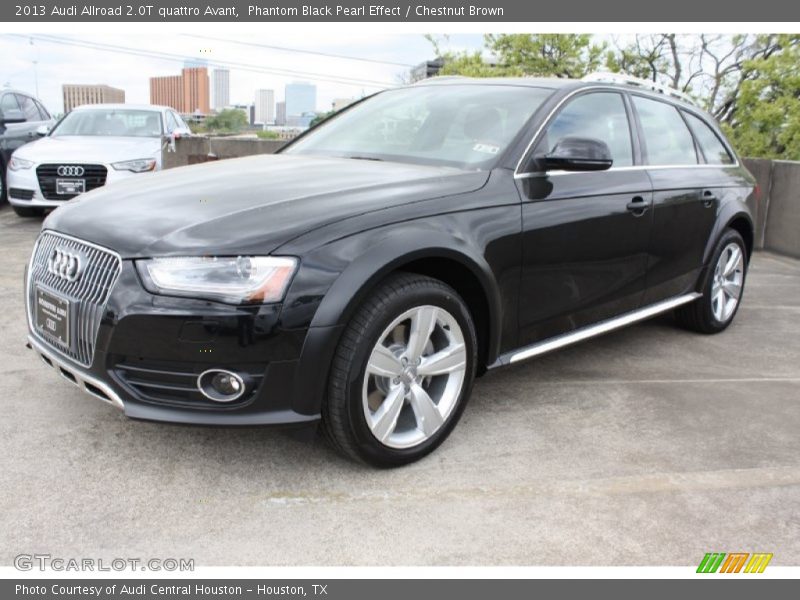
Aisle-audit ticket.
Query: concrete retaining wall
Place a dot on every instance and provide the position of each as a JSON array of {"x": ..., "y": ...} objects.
[
  {"x": 193, "y": 150},
  {"x": 777, "y": 212}
]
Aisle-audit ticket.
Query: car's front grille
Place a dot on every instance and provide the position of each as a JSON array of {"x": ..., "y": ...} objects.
[
  {"x": 93, "y": 175},
  {"x": 87, "y": 294},
  {"x": 175, "y": 383},
  {"x": 20, "y": 194}
]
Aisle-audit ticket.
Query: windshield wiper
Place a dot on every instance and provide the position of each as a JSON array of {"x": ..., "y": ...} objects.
[{"x": 365, "y": 158}]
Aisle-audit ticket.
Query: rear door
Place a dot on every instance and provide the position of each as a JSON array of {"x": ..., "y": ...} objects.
[
  {"x": 685, "y": 200},
  {"x": 585, "y": 234}
]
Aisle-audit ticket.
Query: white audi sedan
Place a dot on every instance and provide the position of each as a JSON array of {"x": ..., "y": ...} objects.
[{"x": 91, "y": 146}]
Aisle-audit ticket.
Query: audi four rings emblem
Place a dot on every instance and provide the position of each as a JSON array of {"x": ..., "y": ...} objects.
[
  {"x": 65, "y": 263},
  {"x": 70, "y": 171}
]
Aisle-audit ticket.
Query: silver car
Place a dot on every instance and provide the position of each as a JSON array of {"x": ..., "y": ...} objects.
[{"x": 92, "y": 146}]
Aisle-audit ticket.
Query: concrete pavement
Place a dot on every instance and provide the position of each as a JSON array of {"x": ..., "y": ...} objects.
[{"x": 648, "y": 446}]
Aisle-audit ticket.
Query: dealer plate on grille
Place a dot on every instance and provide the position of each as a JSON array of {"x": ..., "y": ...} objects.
[
  {"x": 52, "y": 316},
  {"x": 70, "y": 186}
]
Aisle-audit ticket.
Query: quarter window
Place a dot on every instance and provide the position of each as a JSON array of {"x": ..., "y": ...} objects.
[
  {"x": 713, "y": 149},
  {"x": 666, "y": 136},
  {"x": 601, "y": 116}
]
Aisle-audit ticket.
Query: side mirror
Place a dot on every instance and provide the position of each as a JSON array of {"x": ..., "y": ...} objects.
[
  {"x": 579, "y": 154},
  {"x": 42, "y": 130},
  {"x": 13, "y": 115}
]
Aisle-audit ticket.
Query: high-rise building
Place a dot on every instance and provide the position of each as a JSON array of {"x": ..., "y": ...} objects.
[
  {"x": 187, "y": 93},
  {"x": 280, "y": 113},
  {"x": 77, "y": 95},
  {"x": 221, "y": 84},
  {"x": 301, "y": 98},
  {"x": 265, "y": 106}
]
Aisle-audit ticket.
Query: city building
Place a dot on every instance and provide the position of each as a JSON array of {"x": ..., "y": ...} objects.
[
  {"x": 340, "y": 103},
  {"x": 280, "y": 113},
  {"x": 195, "y": 63},
  {"x": 77, "y": 95},
  {"x": 265, "y": 106},
  {"x": 301, "y": 98},
  {"x": 188, "y": 93},
  {"x": 221, "y": 84},
  {"x": 429, "y": 68}
]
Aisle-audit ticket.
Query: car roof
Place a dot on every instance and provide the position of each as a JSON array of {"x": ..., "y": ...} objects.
[
  {"x": 152, "y": 107},
  {"x": 557, "y": 84}
]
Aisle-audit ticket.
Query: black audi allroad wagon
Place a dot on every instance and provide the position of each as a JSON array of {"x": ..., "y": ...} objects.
[{"x": 362, "y": 277}]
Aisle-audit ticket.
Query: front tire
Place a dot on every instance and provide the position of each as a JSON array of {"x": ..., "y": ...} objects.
[
  {"x": 722, "y": 287},
  {"x": 402, "y": 373}
]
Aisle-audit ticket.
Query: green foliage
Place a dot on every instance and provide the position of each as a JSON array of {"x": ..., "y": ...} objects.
[
  {"x": 320, "y": 117},
  {"x": 266, "y": 134},
  {"x": 229, "y": 120},
  {"x": 532, "y": 55},
  {"x": 766, "y": 122}
]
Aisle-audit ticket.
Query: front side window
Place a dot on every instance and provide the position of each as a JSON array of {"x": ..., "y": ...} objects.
[
  {"x": 465, "y": 126},
  {"x": 713, "y": 149},
  {"x": 28, "y": 107},
  {"x": 110, "y": 122},
  {"x": 43, "y": 111},
  {"x": 666, "y": 137},
  {"x": 600, "y": 116}
]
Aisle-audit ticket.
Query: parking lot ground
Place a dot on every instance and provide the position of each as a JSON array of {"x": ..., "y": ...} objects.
[{"x": 648, "y": 446}]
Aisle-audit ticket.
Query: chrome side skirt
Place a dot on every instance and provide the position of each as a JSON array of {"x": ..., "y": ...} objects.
[
  {"x": 88, "y": 384},
  {"x": 591, "y": 331}
]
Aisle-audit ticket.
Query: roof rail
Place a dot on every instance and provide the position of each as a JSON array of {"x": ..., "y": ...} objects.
[{"x": 638, "y": 82}]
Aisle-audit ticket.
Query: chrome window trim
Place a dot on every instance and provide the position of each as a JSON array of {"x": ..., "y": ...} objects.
[
  {"x": 518, "y": 174},
  {"x": 31, "y": 327}
]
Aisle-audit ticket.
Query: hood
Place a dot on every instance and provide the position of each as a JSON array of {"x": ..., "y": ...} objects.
[
  {"x": 89, "y": 149},
  {"x": 246, "y": 205}
]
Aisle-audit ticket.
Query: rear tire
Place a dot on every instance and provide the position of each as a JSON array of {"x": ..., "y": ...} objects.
[
  {"x": 722, "y": 289},
  {"x": 402, "y": 373},
  {"x": 27, "y": 211}
]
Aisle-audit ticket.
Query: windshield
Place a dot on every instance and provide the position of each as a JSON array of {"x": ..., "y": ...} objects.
[
  {"x": 465, "y": 126},
  {"x": 115, "y": 122}
]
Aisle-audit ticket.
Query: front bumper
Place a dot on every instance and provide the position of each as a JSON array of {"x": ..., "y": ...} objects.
[
  {"x": 23, "y": 187},
  {"x": 164, "y": 340}
]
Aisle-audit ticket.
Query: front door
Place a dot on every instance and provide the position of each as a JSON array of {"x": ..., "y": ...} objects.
[{"x": 585, "y": 234}]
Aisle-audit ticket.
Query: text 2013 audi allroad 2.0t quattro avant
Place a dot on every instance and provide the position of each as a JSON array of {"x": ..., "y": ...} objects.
[{"x": 365, "y": 275}]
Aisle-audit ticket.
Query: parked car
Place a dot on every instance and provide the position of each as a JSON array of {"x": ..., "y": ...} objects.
[
  {"x": 92, "y": 146},
  {"x": 363, "y": 279},
  {"x": 22, "y": 119}
]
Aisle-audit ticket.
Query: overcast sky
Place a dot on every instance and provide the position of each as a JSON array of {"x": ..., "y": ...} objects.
[{"x": 59, "y": 63}]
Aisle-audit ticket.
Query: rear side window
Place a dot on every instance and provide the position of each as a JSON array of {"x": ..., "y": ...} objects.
[
  {"x": 666, "y": 136},
  {"x": 599, "y": 115},
  {"x": 8, "y": 102},
  {"x": 713, "y": 149}
]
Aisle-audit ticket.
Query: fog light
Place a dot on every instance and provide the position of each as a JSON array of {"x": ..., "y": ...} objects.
[{"x": 220, "y": 385}]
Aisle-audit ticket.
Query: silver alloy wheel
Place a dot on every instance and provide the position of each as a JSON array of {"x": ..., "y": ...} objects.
[
  {"x": 726, "y": 289},
  {"x": 414, "y": 376}
]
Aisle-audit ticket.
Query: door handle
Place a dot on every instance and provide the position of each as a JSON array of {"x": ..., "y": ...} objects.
[
  {"x": 708, "y": 198},
  {"x": 637, "y": 206}
]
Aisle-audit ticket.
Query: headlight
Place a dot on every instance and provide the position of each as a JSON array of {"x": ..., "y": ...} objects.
[
  {"x": 235, "y": 280},
  {"x": 17, "y": 164},
  {"x": 139, "y": 165}
]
